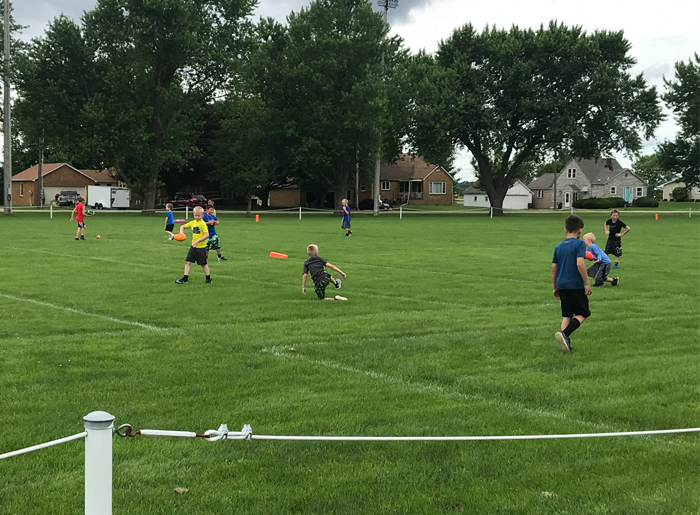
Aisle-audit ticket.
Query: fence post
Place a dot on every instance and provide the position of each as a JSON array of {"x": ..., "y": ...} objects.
[
  {"x": 51, "y": 209},
  {"x": 299, "y": 212},
  {"x": 572, "y": 209},
  {"x": 690, "y": 209},
  {"x": 187, "y": 212},
  {"x": 400, "y": 212},
  {"x": 98, "y": 463},
  {"x": 491, "y": 210}
]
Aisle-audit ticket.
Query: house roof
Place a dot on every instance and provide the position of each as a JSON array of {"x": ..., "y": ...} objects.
[
  {"x": 543, "y": 182},
  {"x": 599, "y": 171},
  {"x": 31, "y": 173},
  {"x": 408, "y": 167},
  {"x": 472, "y": 190}
]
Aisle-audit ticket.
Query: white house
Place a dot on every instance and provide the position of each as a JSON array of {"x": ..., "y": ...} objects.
[{"x": 517, "y": 197}]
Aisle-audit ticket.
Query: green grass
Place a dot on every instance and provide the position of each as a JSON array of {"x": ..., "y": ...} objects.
[{"x": 448, "y": 331}]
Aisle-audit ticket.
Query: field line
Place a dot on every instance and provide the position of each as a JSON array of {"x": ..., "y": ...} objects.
[{"x": 79, "y": 312}]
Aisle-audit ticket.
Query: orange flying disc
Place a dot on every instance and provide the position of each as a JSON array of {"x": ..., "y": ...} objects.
[{"x": 180, "y": 237}]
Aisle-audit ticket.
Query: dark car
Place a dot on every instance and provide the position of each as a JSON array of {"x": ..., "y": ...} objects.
[
  {"x": 190, "y": 200},
  {"x": 368, "y": 204},
  {"x": 67, "y": 197}
]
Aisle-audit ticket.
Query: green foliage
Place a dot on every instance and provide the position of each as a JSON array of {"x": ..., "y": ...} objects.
[
  {"x": 646, "y": 202},
  {"x": 650, "y": 169},
  {"x": 680, "y": 194},
  {"x": 513, "y": 97},
  {"x": 599, "y": 203}
]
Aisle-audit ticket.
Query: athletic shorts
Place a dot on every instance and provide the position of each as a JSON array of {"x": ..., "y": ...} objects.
[
  {"x": 81, "y": 225},
  {"x": 599, "y": 271},
  {"x": 213, "y": 243},
  {"x": 574, "y": 302},
  {"x": 614, "y": 247},
  {"x": 345, "y": 225},
  {"x": 320, "y": 287},
  {"x": 198, "y": 256},
  {"x": 169, "y": 227}
]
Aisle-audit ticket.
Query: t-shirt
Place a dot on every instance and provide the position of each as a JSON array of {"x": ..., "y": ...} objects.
[
  {"x": 598, "y": 254},
  {"x": 212, "y": 230},
  {"x": 198, "y": 229},
  {"x": 346, "y": 216},
  {"x": 315, "y": 266},
  {"x": 79, "y": 210},
  {"x": 169, "y": 218},
  {"x": 615, "y": 228},
  {"x": 565, "y": 256}
]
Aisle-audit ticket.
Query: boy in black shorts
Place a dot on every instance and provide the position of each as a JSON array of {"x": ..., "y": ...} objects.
[
  {"x": 197, "y": 252},
  {"x": 614, "y": 229},
  {"x": 570, "y": 281},
  {"x": 315, "y": 265}
]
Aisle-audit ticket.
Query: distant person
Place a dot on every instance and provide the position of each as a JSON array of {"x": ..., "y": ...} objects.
[
  {"x": 346, "y": 217},
  {"x": 316, "y": 267},
  {"x": 213, "y": 241},
  {"x": 210, "y": 204},
  {"x": 570, "y": 281},
  {"x": 197, "y": 252},
  {"x": 600, "y": 268},
  {"x": 169, "y": 221},
  {"x": 614, "y": 229},
  {"x": 79, "y": 213}
]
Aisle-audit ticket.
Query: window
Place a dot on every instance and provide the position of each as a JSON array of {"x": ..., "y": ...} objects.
[
  {"x": 438, "y": 188},
  {"x": 613, "y": 190},
  {"x": 574, "y": 196},
  {"x": 540, "y": 193},
  {"x": 362, "y": 186},
  {"x": 571, "y": 174},
  {"x": 21, "y": 189},
  {"x": 640, "y": 192},
  {"x": 474, "y": 198},
  {"x": 385, "y": 186}
]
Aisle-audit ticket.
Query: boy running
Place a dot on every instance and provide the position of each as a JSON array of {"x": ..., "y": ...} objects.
[
  {"x": 614, "y": 229},
  {"x": 601, "y": 266},
  {"x": 570, "y": 281},
  {"x": 315, "y": 265},
  {"x": 197, "y": 253},
  {"x": 213, "y": 241},
  {"x": 169, "y": 220},
  {"x": 346, "y": 217},
  {"x": 79, "y": 212}
]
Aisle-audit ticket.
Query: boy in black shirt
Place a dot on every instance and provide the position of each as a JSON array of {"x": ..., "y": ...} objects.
[
  {"x": 614, "y": 229},
  {"x": 315, "y": 265}
]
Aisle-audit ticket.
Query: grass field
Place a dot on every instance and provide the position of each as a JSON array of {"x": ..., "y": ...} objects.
[{"x": 448, "y": 331}]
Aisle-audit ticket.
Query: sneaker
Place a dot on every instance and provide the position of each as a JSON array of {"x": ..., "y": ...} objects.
[
  {"x": 564, "y": 342},
  {"x": 347, "y": 234},
  {"x": 207, "y": 281},
  {"x": 615, "y": 266},
  {"x": 337, "y": 284},
  {"x": 222, "y": 258},
  {"x": 82, "y": 237},
  {"x": 616, "y": 281},
  {"x": 599, "y": 284},
  {"x": 181, "y": 281},
  {"x": 170, "y": 237},
  {"x": 350, "y": 233},
  {"x": 77, "y": 239},
  {"x": 338, "y": 297}
]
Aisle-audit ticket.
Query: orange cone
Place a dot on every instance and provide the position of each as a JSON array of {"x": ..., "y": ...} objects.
[
  {"x": 257, "y": 218},
  {"x": 656, "y": 216},
  {"x": 278, "y": 255}
]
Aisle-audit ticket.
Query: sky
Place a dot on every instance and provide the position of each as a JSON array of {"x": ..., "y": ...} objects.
[{"x": 661, "y": 33}]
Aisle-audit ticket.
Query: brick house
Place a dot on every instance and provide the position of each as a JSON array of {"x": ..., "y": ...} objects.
[
  {"x": 56, "y": 177},
  {"x": 601, "y": 178},
  {"x": 411, "y": 180},
  {"x": 542, "y": 191}
]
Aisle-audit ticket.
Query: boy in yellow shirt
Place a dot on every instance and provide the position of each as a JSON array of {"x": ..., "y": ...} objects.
[{"x": 198, "y": 248}]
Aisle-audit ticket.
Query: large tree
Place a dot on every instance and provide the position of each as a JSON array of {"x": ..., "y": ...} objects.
[
  {"x": 652, "y": 171},
  {"x": 514, "y": 97},
  {"x": 682, "y": 156}
]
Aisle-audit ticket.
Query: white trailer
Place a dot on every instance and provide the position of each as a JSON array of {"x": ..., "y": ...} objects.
[{"x": 108, "y": 197}]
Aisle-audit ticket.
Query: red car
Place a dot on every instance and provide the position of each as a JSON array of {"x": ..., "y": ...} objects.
[{"x": 190, "y": 200}]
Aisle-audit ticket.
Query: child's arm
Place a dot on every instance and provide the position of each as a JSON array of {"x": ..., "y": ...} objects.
[
  {"x": 346, "y": 210},
  {"x": 72, "y": 213},
  {"x": 621, "y": 234},
  {"x": 555, "y": 292},
  {"x": 581, "y": 265},
  {"x": 303, "y": 283},
  {"x": 204, "y": 237},
  {"x": 333, "y": 267},
  {"x": 605, "y": 226}
]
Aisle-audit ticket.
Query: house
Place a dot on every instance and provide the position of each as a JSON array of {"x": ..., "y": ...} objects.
[
  {"x": 542, "y": 191},
  {"x": 56, "y": 177},
  {"x": 693, "y": 192},
  {"x": 518, "y": 196},
  {"x": 411, "y": 180},
  {"x": 600, "y": 178}
]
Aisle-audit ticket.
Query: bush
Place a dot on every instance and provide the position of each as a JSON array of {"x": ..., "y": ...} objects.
[
  {"x": 647, "y": 202},
  {"x": 599, "y": 203},
  {"x": 680, "y": 194}
]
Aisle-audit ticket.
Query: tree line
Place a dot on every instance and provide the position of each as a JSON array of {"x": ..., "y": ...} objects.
[{"x": 171, "y": 91}]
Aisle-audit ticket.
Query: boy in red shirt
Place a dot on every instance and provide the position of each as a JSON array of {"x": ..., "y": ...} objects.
[{"x": 79, "y": 212}]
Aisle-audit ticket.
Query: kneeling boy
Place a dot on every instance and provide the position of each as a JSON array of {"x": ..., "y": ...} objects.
[{"x": 315, "y": 265}]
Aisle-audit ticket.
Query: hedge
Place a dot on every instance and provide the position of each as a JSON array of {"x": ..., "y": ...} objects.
[
  {"x": 647, "y": 202},
  {"x": 599, "y": 203}
]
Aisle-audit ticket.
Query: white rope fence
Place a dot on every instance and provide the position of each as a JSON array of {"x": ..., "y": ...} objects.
[{"x": 99, "y": 430}]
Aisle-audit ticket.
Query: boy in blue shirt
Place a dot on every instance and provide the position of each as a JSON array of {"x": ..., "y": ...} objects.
[
  {"x": 346, "y": 217},
  {"x": 213, "y": 241},
  {"x": 169, "y": 221},
  {"x": 570, "y": 281},
  {"x": 601, "y": 264}
]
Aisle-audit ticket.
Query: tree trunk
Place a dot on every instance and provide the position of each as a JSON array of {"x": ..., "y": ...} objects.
[
  {"x": 149, "y": 198},
  {"x": 340, "y": 187}
]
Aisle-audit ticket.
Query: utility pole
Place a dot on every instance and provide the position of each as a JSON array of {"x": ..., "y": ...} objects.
[
  {"x": 7, "y": 155},
  {"x": 378, "y": 158},
  {"x": 40, "y": 181}
]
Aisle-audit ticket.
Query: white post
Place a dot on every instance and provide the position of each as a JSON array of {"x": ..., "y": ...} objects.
[
  {"x": 491, "y": 209},
  {"x": 51, "y": 210},
  {"x": 400, "y": 212},
  {"x": 572, "y": 209},
  {"x": 690, "y": 209},
  {"x": 98, "y": 463},
  {"x": 187, "y": 212},
  {"x": 299, "y": 212}
]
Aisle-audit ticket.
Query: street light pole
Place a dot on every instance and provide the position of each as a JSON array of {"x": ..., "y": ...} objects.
[{"x": 7, "y": 155}]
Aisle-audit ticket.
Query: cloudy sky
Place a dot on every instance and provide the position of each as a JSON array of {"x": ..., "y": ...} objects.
[{"x": 661, "y": 33}]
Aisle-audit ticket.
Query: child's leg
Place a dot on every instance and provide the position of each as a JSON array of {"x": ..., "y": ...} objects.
[
  {"x": 332, "y": 280},
  {"x": 188, "y": 265},
  {"x": 77, "y": 233},
  {"x": 206, "y": 270},
  {"x": 218, "y": 251},
  {"x": 574, "y": 323},
  {"x": 565, "y": 323}
]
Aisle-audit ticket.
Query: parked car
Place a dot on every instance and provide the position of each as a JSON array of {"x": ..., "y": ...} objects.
[
  {"x": 368, "y": 204},
  {"x": 67, "y": 197},
  {"x": 190, "y": 200}
]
